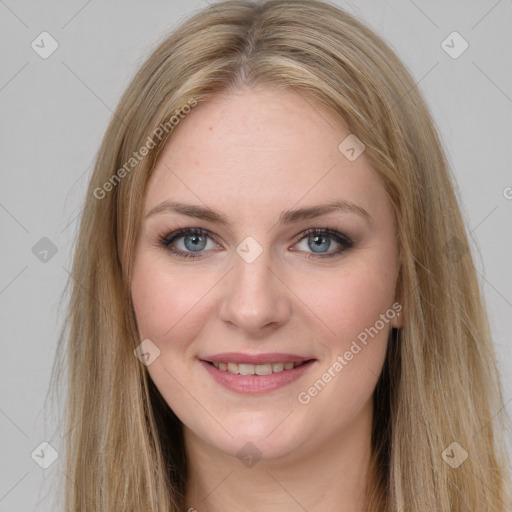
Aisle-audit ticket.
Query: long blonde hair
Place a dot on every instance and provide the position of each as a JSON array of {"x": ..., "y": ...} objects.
[{"x": 439, "y": 385}]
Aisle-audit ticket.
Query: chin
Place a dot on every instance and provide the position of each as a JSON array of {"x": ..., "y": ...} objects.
[{"x": 258, "y": 435}]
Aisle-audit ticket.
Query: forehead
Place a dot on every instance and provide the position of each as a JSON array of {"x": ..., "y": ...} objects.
[{"x": 261, "y": 150}]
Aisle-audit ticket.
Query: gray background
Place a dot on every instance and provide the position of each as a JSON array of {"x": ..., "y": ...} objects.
[{"x": 54, "y": 112}]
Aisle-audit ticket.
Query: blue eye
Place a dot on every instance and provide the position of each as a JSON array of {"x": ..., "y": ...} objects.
[
  {"x": 318, "y": 239},
  {"x": 195, "y": 240}
]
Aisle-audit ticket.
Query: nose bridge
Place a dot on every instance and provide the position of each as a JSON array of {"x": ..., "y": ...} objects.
[{"x": 254, "y": 298}]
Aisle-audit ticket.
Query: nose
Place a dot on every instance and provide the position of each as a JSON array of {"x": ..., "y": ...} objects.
[{"x": 255, "y": 298}]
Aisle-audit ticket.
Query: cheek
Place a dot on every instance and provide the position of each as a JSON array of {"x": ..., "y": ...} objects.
[
  {"x": 166, "y": 301},
  {"x": 355, "y": 304},
  {"x": 350, "y": 303},
  {"x": 172, "y": 305},
  {"x": 351, "y": 300}
]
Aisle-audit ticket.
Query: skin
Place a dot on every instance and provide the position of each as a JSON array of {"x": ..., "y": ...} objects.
[{"x": 252, "y": 154}]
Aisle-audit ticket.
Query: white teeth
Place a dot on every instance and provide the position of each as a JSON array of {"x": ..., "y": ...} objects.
[
  {"x": 255, "y": 369},
  {"x": 246, "y": 369},
  {"x": 263, "y": 369}
]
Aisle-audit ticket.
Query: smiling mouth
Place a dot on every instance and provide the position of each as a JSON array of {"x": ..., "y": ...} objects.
[{"x": 256, "y": 369}]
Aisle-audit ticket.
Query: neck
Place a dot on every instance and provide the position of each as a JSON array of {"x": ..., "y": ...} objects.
[{"x": 330, "y": 476}]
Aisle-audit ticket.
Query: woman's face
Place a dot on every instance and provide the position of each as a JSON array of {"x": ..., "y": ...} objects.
[{"x": 252, "y": 288}]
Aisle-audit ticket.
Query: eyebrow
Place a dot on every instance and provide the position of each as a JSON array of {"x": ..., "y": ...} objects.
[{"x": 287, "y": 217}]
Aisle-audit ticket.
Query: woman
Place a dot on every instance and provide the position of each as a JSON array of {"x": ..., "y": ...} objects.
[{"x": 273, "y": 304}]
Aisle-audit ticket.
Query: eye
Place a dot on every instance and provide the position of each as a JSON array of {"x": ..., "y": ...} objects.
[
  {"x": 319, "y": 241},
  {"x": 193, "y": 242}
]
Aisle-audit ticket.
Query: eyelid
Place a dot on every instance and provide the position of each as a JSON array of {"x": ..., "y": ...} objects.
[
  {"x": 180, "y": 232},
  {"x": 334, "y": 233},
  {"x": 344, "y": 240}
]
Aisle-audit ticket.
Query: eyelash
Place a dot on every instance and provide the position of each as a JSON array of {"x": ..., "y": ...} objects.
[{"x": 346, "y": 243}]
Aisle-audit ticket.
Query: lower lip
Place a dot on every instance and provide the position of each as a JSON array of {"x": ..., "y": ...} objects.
[{"x": 256, "y": 384}]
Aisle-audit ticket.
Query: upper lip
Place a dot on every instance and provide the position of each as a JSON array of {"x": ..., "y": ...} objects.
[{"x": 241, "y": 358}]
